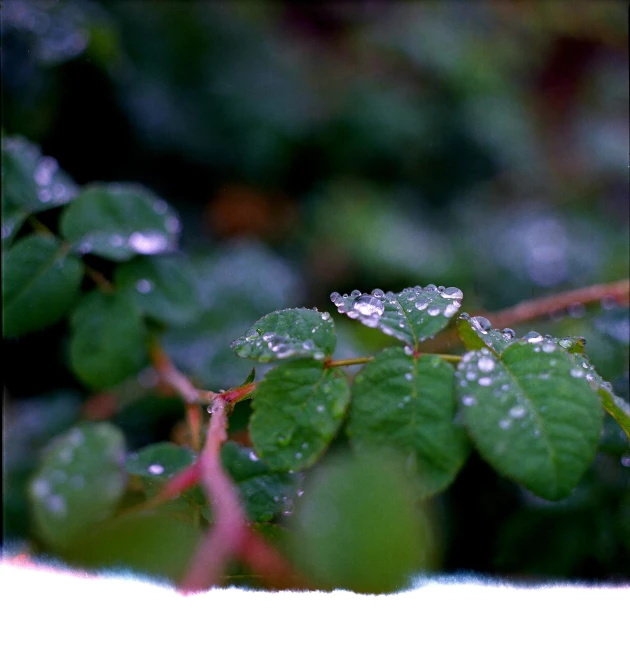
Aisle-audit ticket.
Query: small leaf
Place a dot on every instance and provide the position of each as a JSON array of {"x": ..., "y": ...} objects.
[
  {"x": 529, "y": 416},
  {"x": 163, "y": 287},
  {"x": 614, "y": 405},
  {"x": 290, "y": 333},
  {"x": 156, "y": 463},
  {"x": 119, "y": 221},
  {"x": 413, "y": 315},
  {"x": 108, "y": 340},
  {"x": 407, "y": 404},
  {"x": 264, "y": 492},
  {"x": 30, "y": 182},
  {"x": 40, "y": 283},
  {"x": 298, "y": 408},
  {"x": 477, "y": 333},
  {"x": 80, "y": 482},
  {"x": 250, "y": 378}
]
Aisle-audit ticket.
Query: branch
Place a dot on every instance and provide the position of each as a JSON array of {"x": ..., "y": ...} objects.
[{"x": 230, "y": 528}]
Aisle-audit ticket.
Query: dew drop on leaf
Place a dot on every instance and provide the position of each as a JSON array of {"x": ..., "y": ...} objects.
[
  {"x": 485, "y": 364},
  {"x": 485, "y": 381},
  {"x": 452, "y": 293},
  {"x": 533, "y": 337},
  {"x": 481, "y": 323},
  {"x": 369, "y": 306},
  {"x": 434, "y": 310},
  {"x": 517, "y": 412},
  {"x": 155, "y": 469},
  {"x": 422, "y": 303},
  {"x": 469, "y": 400}
]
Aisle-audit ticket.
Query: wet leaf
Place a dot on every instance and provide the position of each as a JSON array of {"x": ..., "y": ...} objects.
[
  {"x": 118, "y": 222},
  {"x": 476, "y": 333},
  {"x": 357, "y": 527},
  {"x": 30, "y": 183},
  {"x": 156, "y": 463},
  {"x": 40, "y": 283},
  {"x": 163, "y": 287},
  {"x": 413, "y": 315},
  {"x": 108, "y": 340},
  {"x": 617, "y": 407},
  {"x": 298, "y": 408},
  {"x": 80, "y": 481},
  {"x": 407, "y": 404},
  {"x": 290, "y": 333},
  {"x": 265, "y": 493},
  {"x": 529, "y": 416}
]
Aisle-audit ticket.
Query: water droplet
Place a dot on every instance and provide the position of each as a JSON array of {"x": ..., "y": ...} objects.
[
  {"x": 469, "y": 400},
  {"x": 319, "y": 356},
  {"x": 485, "y": 364},
  {"x": 576, "y": 372},
  {"x": 148, "y": 243},
  {"x": 533, "y": 337},
  {"x": 430, "y": 287},
  {"x": 485, "y": 381},
  {"x": 409, "y": 376},
  {"x": 320, "y": 408},
  {"x": 76, "y": 437},
  {"x": 253, "y": 457},
  {"x": 144, "y": 286},
  {"x": 172, "y": 224},
  {"x": 369, "y": 306},
  {"x": 434, "y": 310},
  {"x": 508, "y": 333},
  {"x": 543, "y": 375},
  {"x": 422, "y": 303},
  {"x": 355, "y": 293},
  {"x": 470, "y": 375},
  {"x": 378, "y": 293},
  {"x": 625, "y": 460},
  {"x": 66, "y": 455},
  {"x": 481, "y": 323},
  {"x": 353, "y": 314},
  {"x": 505, "y": 423},
  {"x": 335, "y": 298},
  {"x": 452, "y": 293},
  {"x": 408, "y": 350},
  {"x": 608, "y": 302},
  {"x": 565, "y": 343},
  {"x": 298, "y": 456},
  {"x": 517, "y": 412},
  {"x": 450, "y": 310},
  {"x": 116, "y": 240},
  {"x": 45, "y": 170},
  {"x": 44, "y": 194},
  {"x": 155, "y": 469},
  {"x": 549, "y": 347},
  {"x": 325, "y": 315},
  {"x": 552, "y": 362}
]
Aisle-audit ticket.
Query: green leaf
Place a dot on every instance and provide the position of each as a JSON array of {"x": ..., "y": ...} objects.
[
  {"x": 119, "y": 221},
  {"x": 357, "y": 526},
  {"x": 40, "y": 283},
  {"x": 156, "y": 463},
  {"x": 477, "y": 333},
  {"x": 108, "y": 340},
  {"x": 264, "y": 492},
  {"x": 152, "y": 543},
  {"x": 529, "y": 416},
  {"x": 30, "y": 183},
  {"x": 413, "y": 315},
  {"x": 407, "y": 404},
  {"x": 162, "y": 287},
  {"x": 298, "y": 408},
  {"x": 617, "y": 407},
  {"x": 250, "y": 378},
  {"x": 290, "y": 333},
  {"x": 80, "y": 481}
]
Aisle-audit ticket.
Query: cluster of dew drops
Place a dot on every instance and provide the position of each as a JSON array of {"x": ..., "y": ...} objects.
[{"x": 369, "y": 307}]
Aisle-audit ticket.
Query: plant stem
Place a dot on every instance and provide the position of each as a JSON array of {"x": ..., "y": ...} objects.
[
  {"x": 349, "y": 361},
  {"x": 99, "y": 279}
]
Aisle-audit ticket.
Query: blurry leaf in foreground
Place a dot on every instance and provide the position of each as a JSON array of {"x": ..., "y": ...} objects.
[{"x": 358, "y": 527}]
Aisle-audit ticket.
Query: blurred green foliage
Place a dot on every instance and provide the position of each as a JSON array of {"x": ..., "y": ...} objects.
[{"x": 313, "y": 148}]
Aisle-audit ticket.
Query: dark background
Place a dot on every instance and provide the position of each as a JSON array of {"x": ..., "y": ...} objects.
[{"x": 318, "y": 147}]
